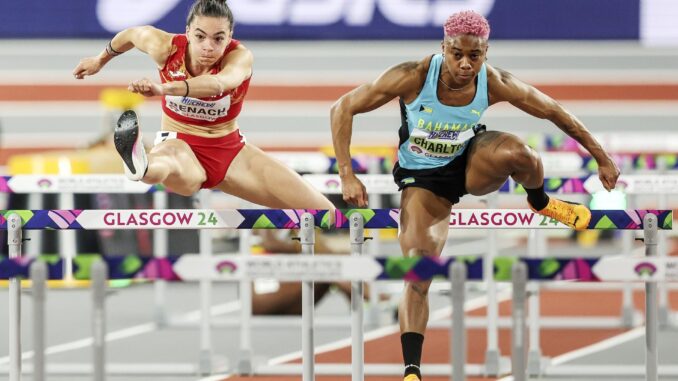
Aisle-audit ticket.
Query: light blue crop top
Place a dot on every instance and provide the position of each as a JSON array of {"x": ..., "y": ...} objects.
[{"x": 434, "y": 134}]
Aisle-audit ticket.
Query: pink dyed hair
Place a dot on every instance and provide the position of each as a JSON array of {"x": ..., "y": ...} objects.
[{"x": 467, "y": 22}]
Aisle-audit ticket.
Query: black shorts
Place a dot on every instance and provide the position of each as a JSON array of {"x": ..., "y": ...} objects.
[{"x": 448, "y": 181}]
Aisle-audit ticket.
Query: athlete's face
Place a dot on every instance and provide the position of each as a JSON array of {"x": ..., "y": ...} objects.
[
  {"x": 208, "y": 37},
  {"x": 464, "y": 55}
]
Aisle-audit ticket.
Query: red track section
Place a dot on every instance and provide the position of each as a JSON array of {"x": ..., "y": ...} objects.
[
  {"x": 554, "y": 342},
  {"x": 83, "y": 92}
]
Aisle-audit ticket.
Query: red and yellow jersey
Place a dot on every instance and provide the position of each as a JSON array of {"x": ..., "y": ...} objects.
[{"x": 199, "y": 113}]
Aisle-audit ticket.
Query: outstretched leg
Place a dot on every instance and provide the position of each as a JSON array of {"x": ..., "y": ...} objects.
[
  {"x": 494, "y": 156},
  {"x": 424, "y": 224},
  {"x": 261, "y": 179},
  {"x": 171, "y": 162}
]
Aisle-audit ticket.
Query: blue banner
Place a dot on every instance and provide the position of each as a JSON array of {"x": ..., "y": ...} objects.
[{"x": 329, "y": 19}]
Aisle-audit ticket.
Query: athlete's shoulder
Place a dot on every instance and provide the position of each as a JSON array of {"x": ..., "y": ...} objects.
[
  {"x": 411, "y": 72},
  {"x": 236, "y": 51},
  {"x": 497, "y": 75}
]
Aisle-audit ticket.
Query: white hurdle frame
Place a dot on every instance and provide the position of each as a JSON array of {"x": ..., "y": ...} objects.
[
  {"x": 14, "y": 240},
  {"x": 307, "y": 239}
]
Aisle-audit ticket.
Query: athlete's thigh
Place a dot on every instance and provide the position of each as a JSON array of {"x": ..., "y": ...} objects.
[
  {"x": 186, "y": 173},
  {"x": 263, "y": 180},
  {"x": 488, "y": 165},
  {"x": 424, "y": 221}
]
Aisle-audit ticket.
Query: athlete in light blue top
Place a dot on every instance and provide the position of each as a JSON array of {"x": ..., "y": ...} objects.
[
  {"x": 435, "y": 133},
  {"x": 440, "y": 159}
]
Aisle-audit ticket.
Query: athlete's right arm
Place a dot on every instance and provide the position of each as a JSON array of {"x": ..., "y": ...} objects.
[
  {"x": 398, "y": 81},
  {"x": 152, "y": 41}
]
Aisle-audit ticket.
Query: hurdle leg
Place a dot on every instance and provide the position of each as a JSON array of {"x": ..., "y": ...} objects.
[
  {"x": 205, "y": 243},
  {"x": 357, "y": 236},
  {"x": 99, "y": 276},
  {"x": 628, "y": 312},
  {"x": 38, "y": 273},
  {"x": 458, "y": 327},
  {"x": 35, "y": 202},
  {"x": 492, "y": 353},
  {"x": 14, "y": 243},
  {"x": 518, "y": 361},
  {"x": 245, "y": 294},
  {"x": 307, "y": 238},
  {"x": 664, "y": 308},
  {"x": 160, "y": 251},
  {"x": 534, "y": 357},
  {"x": 650, "y": 227},
  {"x": 375, "y": 201},
  {"x": 67, "y": 238}
]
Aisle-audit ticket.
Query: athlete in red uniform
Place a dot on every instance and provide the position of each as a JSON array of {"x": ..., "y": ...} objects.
[{"x": 205, "y": 75}]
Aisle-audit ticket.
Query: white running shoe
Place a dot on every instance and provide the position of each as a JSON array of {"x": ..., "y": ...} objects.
[{"x": 130, "y": 146}]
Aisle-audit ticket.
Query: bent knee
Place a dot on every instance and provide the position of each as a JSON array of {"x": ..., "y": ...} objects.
[
  {"x": 418, "y": 288},
  {"x": 524, "y": 157},
  {"x": 419, "y": 245},
  {"x": 517, "y": 154}
]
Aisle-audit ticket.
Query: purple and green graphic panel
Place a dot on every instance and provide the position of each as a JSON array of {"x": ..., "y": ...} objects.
[
  {"x": 373, "y": 218},
  {"x": 95, "y": 219},
  {"x": 541, "y": 269},
  {"x": 281, "y": 219},
  {"x": 4, "y": 188},
  {"x": 123, "y": 267},
  {"x": 44, "y": 219},
  {"x": 628, "y": 219},
  {"x": 485, "y": 218}
]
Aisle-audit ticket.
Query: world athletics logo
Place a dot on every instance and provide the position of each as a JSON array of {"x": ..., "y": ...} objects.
[
  {"x": 44, "y": 184},
  {"x": 226, "y": 267},
  {"x": 645, "y": 269}
]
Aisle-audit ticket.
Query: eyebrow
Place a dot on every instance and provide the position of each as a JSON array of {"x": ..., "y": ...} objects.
[
  {"x": 472, "y": 51},
  {"x": 215, "y": 34}
]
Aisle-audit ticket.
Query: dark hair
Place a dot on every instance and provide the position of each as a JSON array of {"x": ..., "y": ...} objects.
[{"x": 210, "y": 8}]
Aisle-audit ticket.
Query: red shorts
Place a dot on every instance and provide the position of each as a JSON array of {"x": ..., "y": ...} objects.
[{"x": 214, "y": 154}]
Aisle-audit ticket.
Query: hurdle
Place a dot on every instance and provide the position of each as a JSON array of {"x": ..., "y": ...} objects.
[
  {"x": 299, "y": 268},
  {"x": 288, "y": 219},
  {"x": 377, "y": 184}
]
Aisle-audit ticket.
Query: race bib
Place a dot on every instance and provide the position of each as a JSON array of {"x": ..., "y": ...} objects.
[
  {"x": 440, "y": 144},
  {"x": 198, "y": 109}
]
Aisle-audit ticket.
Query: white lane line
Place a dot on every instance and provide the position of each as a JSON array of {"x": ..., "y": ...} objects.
[
  {"x": 125, "y": 333},
  {"x": 378, "y": 333},
  {"x": 599, "y": 346},
  {"x": 471, "y": 305},
  {"x": 593, "y": 348}
]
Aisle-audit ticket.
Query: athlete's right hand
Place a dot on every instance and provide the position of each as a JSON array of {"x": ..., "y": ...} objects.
[
  {"x": 87, "y": 66},
  {"x": 354, "y": 191}
]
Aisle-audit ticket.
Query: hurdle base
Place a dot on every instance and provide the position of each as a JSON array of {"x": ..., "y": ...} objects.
[
  {"x": 665, "y": 318},
  {"x": 612, "y": 370},
  {"x": 140, "y": 369},
  {"x": 160, "y": 317},
  {"x": 536, "y": 363},
  {"x": 337, "y": 369},
  {"x": 244, "y": 366},
  {"x": 630, "y": 317},
  {"x": 495, "y": 364},
  {"x": 205, "y": 362}
]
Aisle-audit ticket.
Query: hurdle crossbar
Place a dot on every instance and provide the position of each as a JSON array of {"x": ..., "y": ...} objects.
[{"x": 93, "y": 219}]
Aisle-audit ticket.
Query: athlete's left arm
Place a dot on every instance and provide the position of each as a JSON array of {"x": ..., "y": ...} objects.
[
  {"x": 236, "y": 68},
  {"x": 503, "y": 86}
]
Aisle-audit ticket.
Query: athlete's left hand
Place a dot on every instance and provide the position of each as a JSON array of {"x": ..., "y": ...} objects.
[
  {"x": 145, "y": 87},
  {"x": 608, "y": 172}
]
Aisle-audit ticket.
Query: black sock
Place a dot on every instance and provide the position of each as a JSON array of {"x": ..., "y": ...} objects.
[
  {"x": 537, "y": 197},
  {"x": 412, "y": 343}
]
